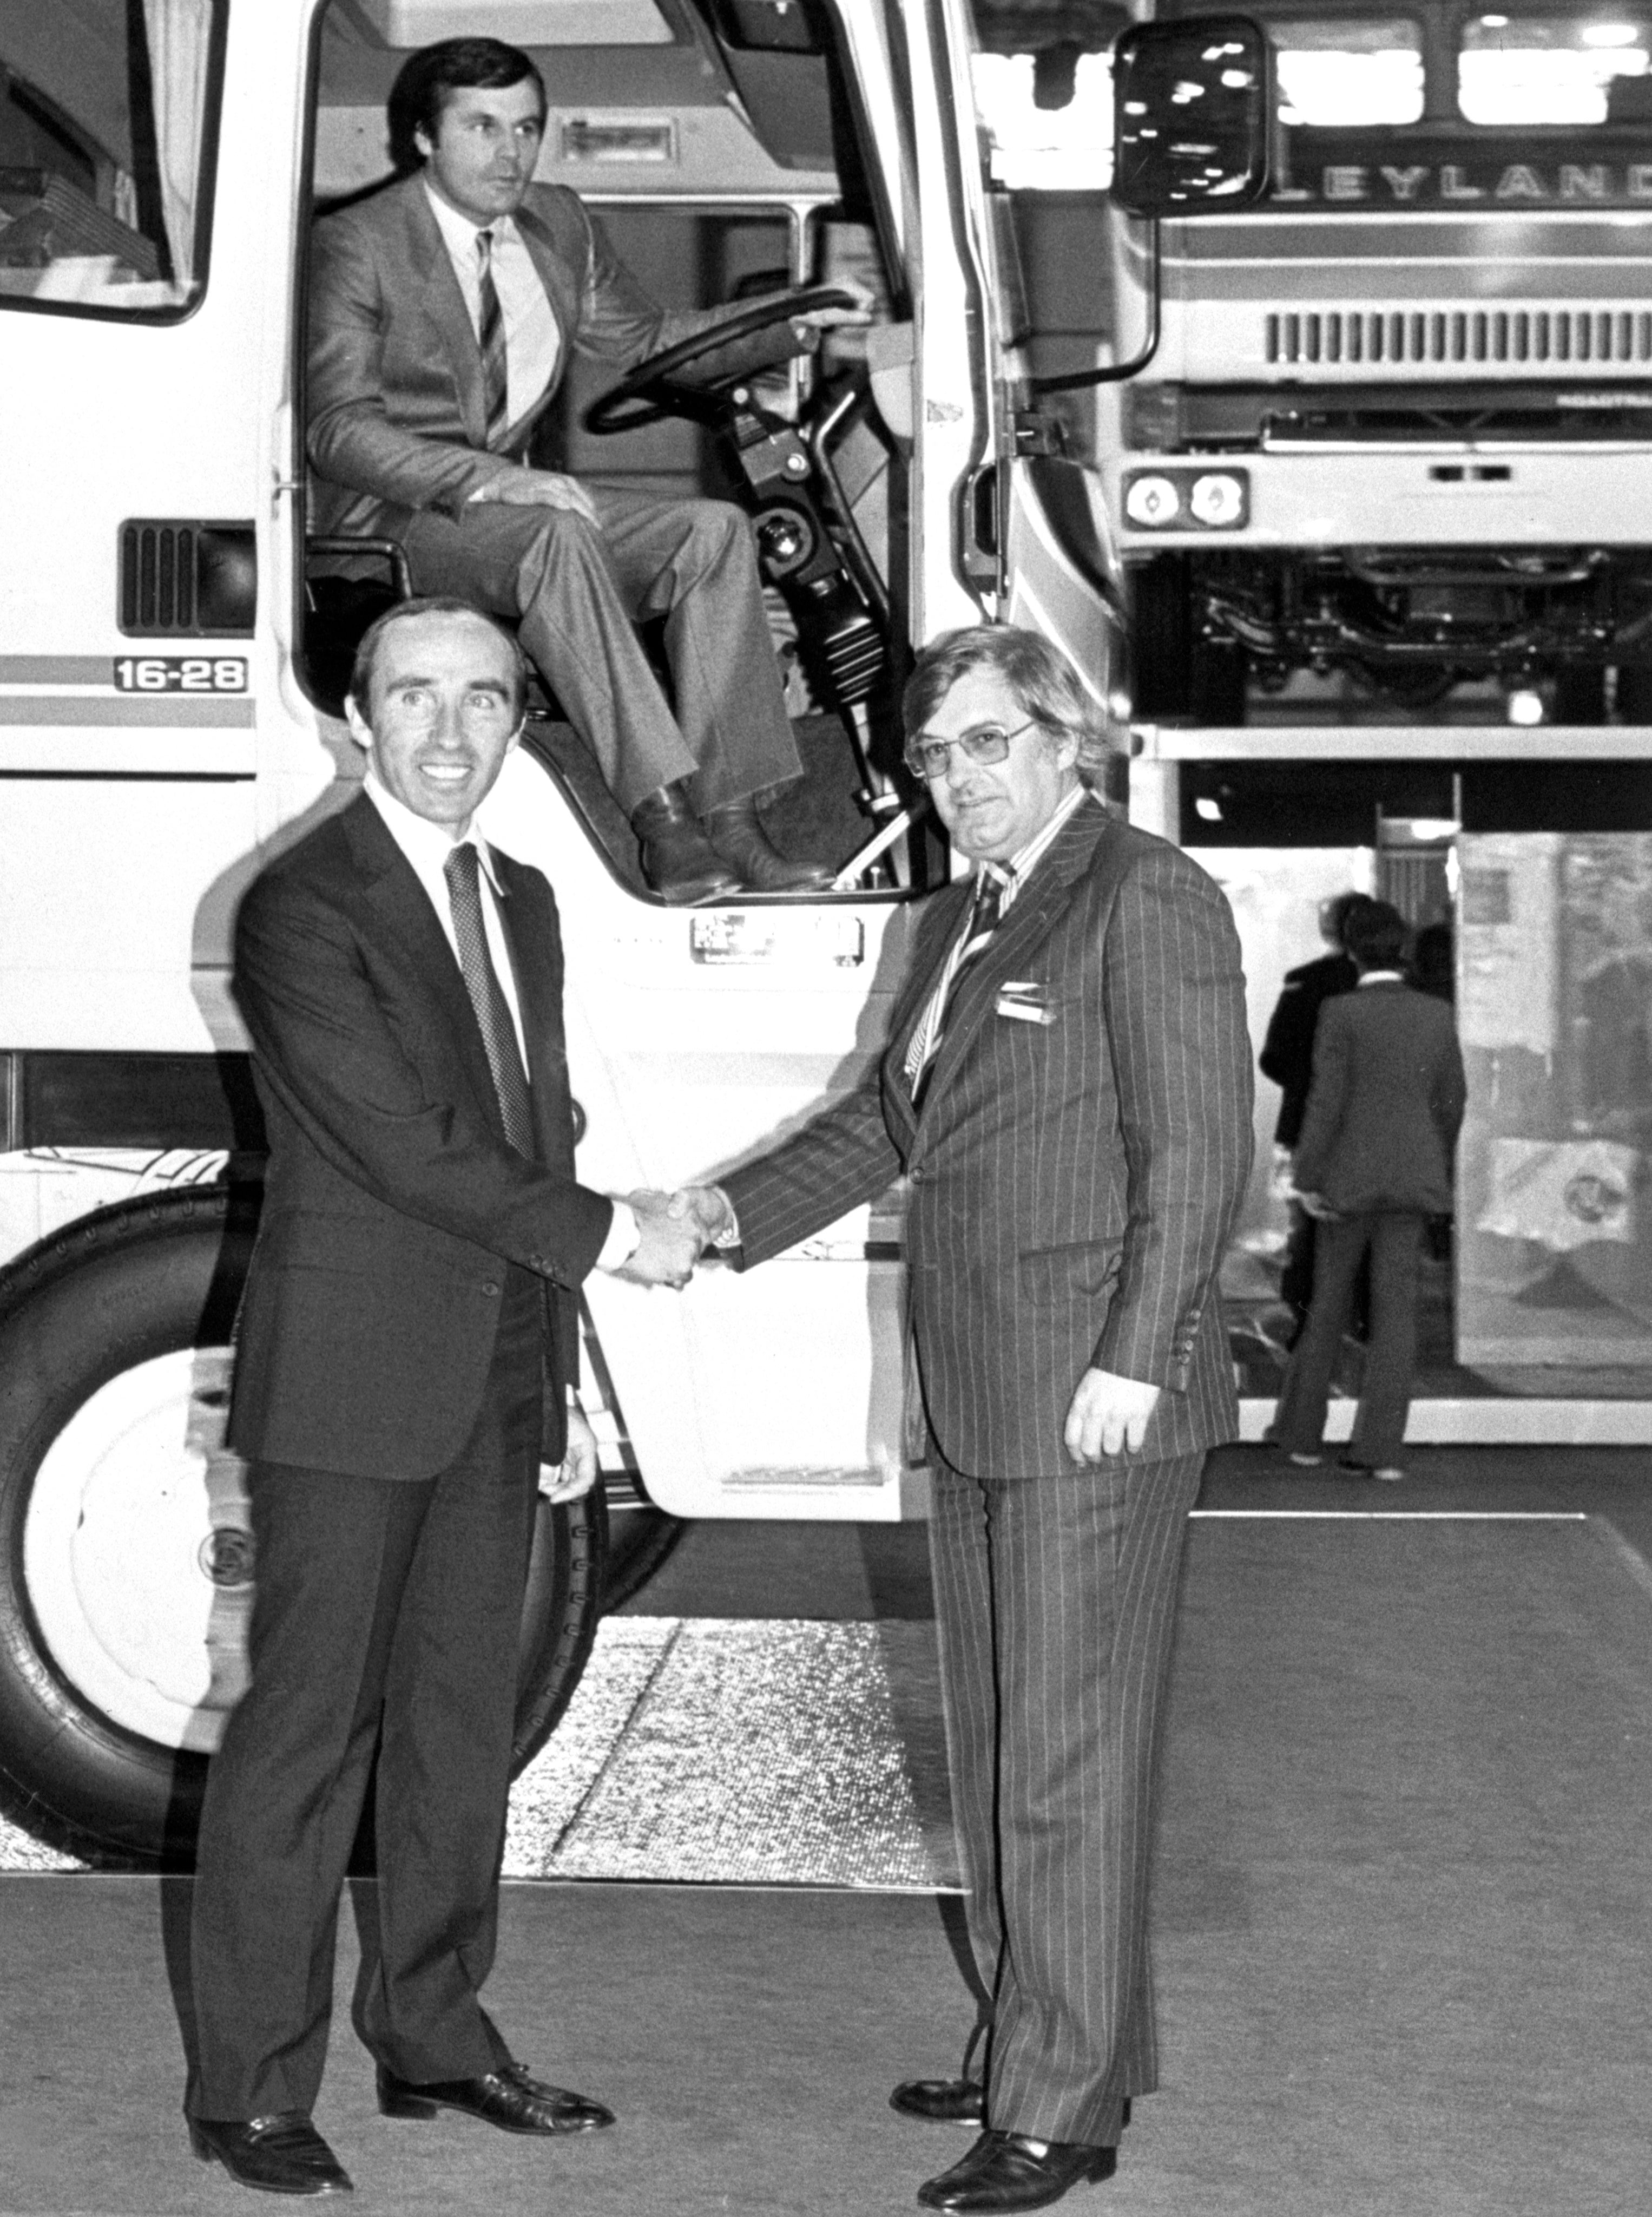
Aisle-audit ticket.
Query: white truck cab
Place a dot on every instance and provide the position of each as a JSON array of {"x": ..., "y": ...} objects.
[{"x": 170, "y": 672}]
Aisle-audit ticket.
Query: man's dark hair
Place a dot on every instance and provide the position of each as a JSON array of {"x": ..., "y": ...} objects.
[
  {"x": 430, "y": 604},
  {"x": 1039, "y": 674},
  {"x": 428, "y": 79},
  {"x": 1336, "y": 914},
  {"x": 1375, "y": 935}
]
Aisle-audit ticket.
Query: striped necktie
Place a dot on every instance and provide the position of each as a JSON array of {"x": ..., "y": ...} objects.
[
  {"x": 488, "y": 999},
  {"x": 495, "y": 374},
  {"x": 985, "y": 909}
]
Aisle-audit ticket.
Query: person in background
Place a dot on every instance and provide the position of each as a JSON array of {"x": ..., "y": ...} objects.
[
  {"x": 1372, "y": 1164},
  {"x": 1433, "y": 964},
  {"x": 1287, "y": 1057}
]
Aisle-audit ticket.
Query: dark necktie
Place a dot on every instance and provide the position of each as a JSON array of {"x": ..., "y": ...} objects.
[
  {"x": 488, "y": 999},
  {"x": 985, "y": 909},
  {"x": 495, "y": 374}
]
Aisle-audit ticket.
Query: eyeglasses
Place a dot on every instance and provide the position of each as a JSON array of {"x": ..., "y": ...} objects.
[{"x": 987, "y": 743}]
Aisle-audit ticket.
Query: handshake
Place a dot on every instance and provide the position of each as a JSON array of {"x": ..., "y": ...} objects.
[{"x": 676, "y": 1229}]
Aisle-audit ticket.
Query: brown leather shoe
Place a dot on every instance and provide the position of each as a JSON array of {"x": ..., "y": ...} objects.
[
  {"x": 506, "y": 2097},
  {"x": 675, "y": 858},
  {"x": 739, "y": 836},
  {"x": 1007, "y": 2170},
  {"x": 279, "y": 2154},
  {"x": 940, "y": 2101}
]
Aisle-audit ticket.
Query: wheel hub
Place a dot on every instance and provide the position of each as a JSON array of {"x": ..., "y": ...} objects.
[{"x": 137, "y": 1554}]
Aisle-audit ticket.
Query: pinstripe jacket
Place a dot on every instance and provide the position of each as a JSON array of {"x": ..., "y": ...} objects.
[{"x": 1073, "y": 1178}]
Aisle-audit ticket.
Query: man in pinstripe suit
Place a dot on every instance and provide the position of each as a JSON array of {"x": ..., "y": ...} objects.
[{"x": 1068, "y": 1091}]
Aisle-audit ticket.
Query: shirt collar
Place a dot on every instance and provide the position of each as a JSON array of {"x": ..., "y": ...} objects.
[
  {"x": 1382, "y": 977},
  {"x": 1020, "y": 866},
  {"x": 426, "y": 845},
  {"x": 459, "y": 232}
]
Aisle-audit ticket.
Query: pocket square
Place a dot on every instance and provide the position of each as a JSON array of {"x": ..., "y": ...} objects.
[{"x": 1026, "y": 1001}]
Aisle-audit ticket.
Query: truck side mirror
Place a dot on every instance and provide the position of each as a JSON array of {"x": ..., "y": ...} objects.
[{"x": 1192, "y": 107}]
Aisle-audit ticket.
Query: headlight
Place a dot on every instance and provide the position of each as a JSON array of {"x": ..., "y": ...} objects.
[
  {"x": 1152, "y": 500},
  {"x": 1178, "y": 498},
  {"x": 1218, "y": 499}
]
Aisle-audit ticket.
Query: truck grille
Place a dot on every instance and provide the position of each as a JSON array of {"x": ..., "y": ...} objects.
[{"x": 1434, "y": 337}]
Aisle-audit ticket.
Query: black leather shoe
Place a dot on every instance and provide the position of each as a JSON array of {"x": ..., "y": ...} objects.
[
  {"x": 948, "y": 2101},
  {"x": 506, "y": 2097},
  {"x": 676, "y": 859},
  {"x": 737, "y": 836},
  {"x": 1006, "y": 2170},
  {"x": 940, "y": 2101},
  {"x": 280, "y": 2154}
]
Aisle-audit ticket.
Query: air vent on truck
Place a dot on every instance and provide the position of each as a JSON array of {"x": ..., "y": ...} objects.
[
  {"x": 1436, "y": 337},
  {"x": 186, "y": 579}
]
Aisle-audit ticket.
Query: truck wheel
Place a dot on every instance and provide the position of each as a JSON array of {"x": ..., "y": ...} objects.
[
  {"x": 125, "y": 1558},
  {"x": 1175, "y": 670}
]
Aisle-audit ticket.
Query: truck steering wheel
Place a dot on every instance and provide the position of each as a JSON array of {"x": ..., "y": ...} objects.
[{"x": 655, "y": 387}]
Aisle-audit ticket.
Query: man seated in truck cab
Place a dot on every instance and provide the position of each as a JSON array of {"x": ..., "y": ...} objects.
[{"x": 442, "y": 311}]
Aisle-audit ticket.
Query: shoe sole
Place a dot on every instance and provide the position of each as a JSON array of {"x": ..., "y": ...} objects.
[{"x": 419, "y": 2109}]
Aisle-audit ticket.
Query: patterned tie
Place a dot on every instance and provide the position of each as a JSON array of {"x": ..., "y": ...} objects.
[
  {"x": 496, "y": 376},
  {"x": 985, "y": 910},
  {"x": 488, "y": 999}
]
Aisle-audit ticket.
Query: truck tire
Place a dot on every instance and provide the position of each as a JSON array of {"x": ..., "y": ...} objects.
[
  {"x": 125, "y": 1560},
  {"x": 1176, "y": 671}
]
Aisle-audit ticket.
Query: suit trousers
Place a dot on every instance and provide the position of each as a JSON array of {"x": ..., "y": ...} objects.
[
  {"x": 384, "y": 1612},
  {"x": 1056, "y": 1601},
  {"x": 1391, "y": 1241},
  {"x": 578, "y": 592}
]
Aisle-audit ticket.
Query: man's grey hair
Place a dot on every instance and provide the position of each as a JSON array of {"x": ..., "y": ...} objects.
[{"x": 1041, "y": 676}]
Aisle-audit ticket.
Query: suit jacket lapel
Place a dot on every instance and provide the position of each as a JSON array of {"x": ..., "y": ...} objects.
[
  {"x": 554, "y": 274},
  {"x": 445, "y": 305},
  {"x": 536, "y": 988},
  {"x": 1029, "y": 923},
  {"x": 940, "y": 926}
]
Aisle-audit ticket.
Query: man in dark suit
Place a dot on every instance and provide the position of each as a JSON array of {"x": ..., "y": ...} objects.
[
  {"x": 407, "y": 1344},
  {"x": 1373, "y": 1164},
  {"x": 442, "y": 313},
  {"x": 1067, "y": 1089},
  {"x": 1287, "y": 1057}
]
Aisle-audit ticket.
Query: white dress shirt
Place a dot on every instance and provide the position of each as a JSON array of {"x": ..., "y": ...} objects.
[
  {"x": 427, "y": 847},
  {"x": 532, "y": 342}
]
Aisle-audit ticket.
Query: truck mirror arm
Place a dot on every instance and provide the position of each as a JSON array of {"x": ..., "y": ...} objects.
[{"x": 1111, "y": 373}]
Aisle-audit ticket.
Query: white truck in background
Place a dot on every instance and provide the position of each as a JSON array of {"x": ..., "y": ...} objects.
[{"x": 171, "y": 649}]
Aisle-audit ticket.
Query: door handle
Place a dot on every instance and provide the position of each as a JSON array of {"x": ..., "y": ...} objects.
[{"x": 980, "y": 550}]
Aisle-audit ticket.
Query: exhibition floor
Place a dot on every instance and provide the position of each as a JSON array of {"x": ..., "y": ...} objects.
[{"x": 1401, "y": 1936}]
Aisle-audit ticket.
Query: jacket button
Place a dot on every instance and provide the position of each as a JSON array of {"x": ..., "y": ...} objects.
[
  {"x": 915, "y": 1176},
  {"x": 488, "y": 1286}
]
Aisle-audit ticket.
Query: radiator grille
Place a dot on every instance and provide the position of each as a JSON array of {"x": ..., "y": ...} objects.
[{"x": 1441, "y": 336}]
